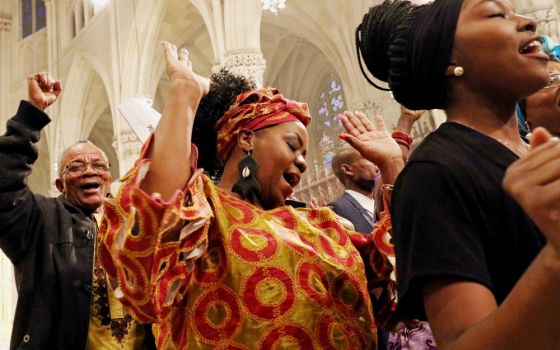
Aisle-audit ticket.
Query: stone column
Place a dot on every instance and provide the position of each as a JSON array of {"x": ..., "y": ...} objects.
[
  {"x": 126, "y": 83},
  {"x": 127, "y": 146},
  {"x": 53, "y": 47},
  {"x": 8, "y": 294},
  {"x": 53, "y": 53},
  {"x": 5, "y": 65},
  {"x": 242, "y": 55}
]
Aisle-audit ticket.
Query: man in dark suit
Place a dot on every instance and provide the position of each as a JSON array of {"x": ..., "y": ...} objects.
[{"x": 358, "y": 176}]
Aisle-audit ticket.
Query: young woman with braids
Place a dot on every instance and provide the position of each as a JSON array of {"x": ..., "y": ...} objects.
[
  {"x": 481, "y": 263},
  {"x": 228, "y": 265}
]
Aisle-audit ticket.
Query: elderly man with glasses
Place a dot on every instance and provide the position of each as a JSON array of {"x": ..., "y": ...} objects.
[{"x": 64, "y": 298}]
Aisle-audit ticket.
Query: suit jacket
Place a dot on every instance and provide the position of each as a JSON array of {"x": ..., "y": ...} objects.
[{"x": 349, "y": 208}]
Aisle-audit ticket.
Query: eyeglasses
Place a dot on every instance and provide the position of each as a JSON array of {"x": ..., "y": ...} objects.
[{"x": 80, "y": 167}]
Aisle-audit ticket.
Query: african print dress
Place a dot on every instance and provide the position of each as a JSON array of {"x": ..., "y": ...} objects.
[{"x": 214, "y": 272}]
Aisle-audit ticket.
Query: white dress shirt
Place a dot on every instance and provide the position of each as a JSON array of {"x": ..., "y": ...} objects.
[{"x": 366, "y": 202}]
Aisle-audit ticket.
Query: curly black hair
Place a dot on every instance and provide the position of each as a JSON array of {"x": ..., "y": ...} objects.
[{"x": 224, "y": 88}]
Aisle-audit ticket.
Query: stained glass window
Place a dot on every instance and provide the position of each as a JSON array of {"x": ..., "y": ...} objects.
[
  {"x": 337, "y": 103},
  {"x": 328, "y": 162},
  {"x": 33, "y": 16},
  {"x": 40, "y": 15},
  {"x": 26, "y": 18},
  {"x": 331, "y": 104},
  {"x": 319, "y": 181}
]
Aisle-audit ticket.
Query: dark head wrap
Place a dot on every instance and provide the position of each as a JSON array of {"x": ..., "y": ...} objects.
[{"x": 409, "y": 46}]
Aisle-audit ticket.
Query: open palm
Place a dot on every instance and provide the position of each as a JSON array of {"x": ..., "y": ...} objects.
[
  {"x": 372, "y": 140},
  {"x": 179, "y": 68}
]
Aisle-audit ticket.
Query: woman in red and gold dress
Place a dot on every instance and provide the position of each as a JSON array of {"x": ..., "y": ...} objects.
[{"x": 228, "y": 265}]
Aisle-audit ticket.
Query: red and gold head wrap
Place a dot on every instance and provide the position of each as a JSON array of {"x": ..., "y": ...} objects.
[{"x": 254, "y": 110}]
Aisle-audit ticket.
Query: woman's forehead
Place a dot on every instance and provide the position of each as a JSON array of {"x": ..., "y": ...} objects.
[
  {"x": 291, "y": 126},
  {"x": 469, "y": 4},
  {"x": 298, "y": 128}
]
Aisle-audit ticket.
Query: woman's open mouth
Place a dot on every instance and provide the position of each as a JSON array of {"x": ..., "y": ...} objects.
[
  {"x": 292, "y": 178},
  {"x": 534, "y": 46}
]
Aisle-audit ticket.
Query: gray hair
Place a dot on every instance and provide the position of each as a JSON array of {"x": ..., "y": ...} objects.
[{"x": 61, "y": 156}]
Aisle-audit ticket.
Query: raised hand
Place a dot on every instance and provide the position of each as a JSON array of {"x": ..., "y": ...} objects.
[
  {"x": 534, "y": 182},
  {"x": 42, "y": 90},
  {"x": 372, "y": 141},
  {"x": 179, "y": 68},
  {"x": 411, "y": 115},
  {"x": 405, "y": 123},
  {"x": 172, "y": 137}
]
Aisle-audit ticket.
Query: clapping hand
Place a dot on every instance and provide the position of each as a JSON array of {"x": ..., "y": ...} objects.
[
  {"x": 179, "y": 68},
  {"x": 534, "y": 182},
  {"x": 372, "y": 141},
  {"x": 42, "y": 90}
]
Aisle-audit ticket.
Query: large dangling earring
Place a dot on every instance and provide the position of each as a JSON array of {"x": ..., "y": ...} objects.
[
  {"x": 247, "y": 184},
  {"x": 458, "y": 71}
]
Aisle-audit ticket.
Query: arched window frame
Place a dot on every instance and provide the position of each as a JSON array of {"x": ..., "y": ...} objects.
[
  {"x": 79, "y": 17},
  {"x": 331, "y": 104},
  {"x": 33, "y": 16}
]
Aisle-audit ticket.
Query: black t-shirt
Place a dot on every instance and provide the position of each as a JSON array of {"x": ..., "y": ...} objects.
[{"x": 452, "y": 218}]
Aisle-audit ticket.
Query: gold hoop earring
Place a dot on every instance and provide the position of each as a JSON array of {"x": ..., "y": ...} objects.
[{"x": 458, "y": 71}]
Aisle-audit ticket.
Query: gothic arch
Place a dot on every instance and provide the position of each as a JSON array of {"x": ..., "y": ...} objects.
[
  {"x": 330, "y": 27},
  {"x": 179, "y": 22},
  {"x": 82, "y": 107}
]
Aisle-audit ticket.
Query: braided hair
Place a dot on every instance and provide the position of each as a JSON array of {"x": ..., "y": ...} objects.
[
  {"x": 224, "y": 88},
  {"x": 381, "y": 41}
]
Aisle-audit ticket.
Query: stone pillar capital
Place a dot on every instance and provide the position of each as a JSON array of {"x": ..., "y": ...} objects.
[
  {"x": 5, "y": 23},
  {"x": 129, "y": 142},
  {"x": 250, "y": 64},
  {"x": 127, "y": 146}
]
